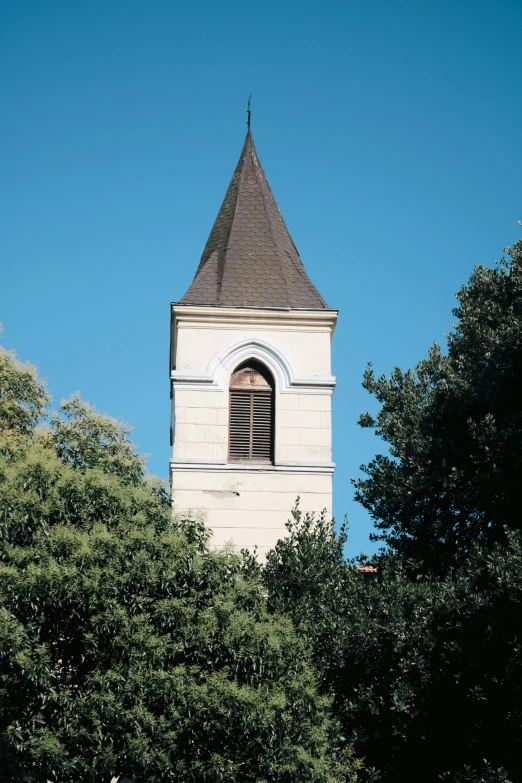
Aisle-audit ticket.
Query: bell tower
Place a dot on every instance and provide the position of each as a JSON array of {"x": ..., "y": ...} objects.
[{"x": 251, "y": 381}]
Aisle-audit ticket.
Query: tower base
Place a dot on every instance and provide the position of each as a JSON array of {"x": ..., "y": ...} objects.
[{"x": 248, "y": 506}]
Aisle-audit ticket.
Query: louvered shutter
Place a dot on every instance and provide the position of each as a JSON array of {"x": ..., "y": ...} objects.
[
  {"x": 240, "y": 424},
  {"x": 251, "y": 414},
  {"x": 261, "y": 425}
]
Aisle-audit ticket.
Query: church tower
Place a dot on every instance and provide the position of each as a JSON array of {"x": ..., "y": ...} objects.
[{"x": 251, "y": 381}]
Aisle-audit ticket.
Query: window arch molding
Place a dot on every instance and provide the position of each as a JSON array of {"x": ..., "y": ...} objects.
[
  {"x": 220, "y": 367},
  {"x": 223, "y": 364}
]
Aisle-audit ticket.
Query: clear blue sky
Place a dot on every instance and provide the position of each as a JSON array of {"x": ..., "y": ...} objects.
[{"x": 390, "y": 133}]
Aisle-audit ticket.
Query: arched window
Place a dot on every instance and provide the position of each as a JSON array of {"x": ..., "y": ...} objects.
[{"x": 251, "y": 413}]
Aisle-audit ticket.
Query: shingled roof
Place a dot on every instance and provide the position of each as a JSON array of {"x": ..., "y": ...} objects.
[{"x": 250, "y": 259}]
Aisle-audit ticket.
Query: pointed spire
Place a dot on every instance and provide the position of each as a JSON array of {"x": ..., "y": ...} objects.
[{"x": 250, "y": 259}]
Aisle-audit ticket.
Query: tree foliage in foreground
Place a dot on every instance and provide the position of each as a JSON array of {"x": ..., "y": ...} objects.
[
  {"x": 23, "y": 400},
  {"x": 125, "y": 645},
  {"x": 424, "y": 672},
  {"x": 454, "y": 428},
  {"x": 424, "y": 662}
]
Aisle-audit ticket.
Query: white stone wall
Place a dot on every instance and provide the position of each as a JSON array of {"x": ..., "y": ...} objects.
[
  {"x": 247, "y": 503},
  {"x": 303, "y": 431},
  {"x": 248, "y": 508},
  {"x": 200, "y": 425}
]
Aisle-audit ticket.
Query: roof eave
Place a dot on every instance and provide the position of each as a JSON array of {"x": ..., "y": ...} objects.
[{"x": 258, "y": 307}]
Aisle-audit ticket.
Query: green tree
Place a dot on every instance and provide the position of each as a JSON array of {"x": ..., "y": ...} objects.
[
  {"x": 126, "y": 646},
  {"x": 23, "y": 400},
  {"x": 423, "y": 670},
  {"x": 368, "y": 635},
  {"x": 453, "y": 425}
]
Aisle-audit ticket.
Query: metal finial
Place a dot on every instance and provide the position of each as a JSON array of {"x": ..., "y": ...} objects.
[{"x": 248, "y": 111}]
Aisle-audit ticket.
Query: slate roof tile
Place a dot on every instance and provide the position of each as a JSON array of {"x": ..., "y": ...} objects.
[{"x": 250, "y": 258}]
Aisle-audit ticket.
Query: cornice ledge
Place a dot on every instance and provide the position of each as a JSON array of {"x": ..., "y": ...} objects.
[
  {"x": 193, "y": 381},
  {"x": 317, "y": 384},
  {"x": 314, "y": 381},
  {"x": 209, "y": 466},
  {"x": 219, "y": 312}
]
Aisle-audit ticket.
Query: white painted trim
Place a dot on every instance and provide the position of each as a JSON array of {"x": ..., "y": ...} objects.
[
  {"x": 180, "y": 465},
  {"x": 221, "y": 365},
  {"x": 192, "y": 381},
  {"x": 254, "y": 315}
]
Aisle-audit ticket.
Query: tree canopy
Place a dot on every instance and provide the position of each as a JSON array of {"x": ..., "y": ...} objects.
[
  {"x": 422, "y": 656},
  {"x": 23, "y": 400},
  {"x": 126, "y": 646},
  {"x": 423, "y": 671},
  {"x": 453, "y": 425}
]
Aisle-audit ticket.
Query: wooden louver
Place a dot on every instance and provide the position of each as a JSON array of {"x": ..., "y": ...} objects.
[{"x": 251, "y": 414}]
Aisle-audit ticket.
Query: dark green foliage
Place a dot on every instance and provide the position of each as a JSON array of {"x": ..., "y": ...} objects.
[
  {"x": 424, "y": 672},
  {"x": 454, "y": 429},
  {"x": 423, "y": 660},
  {"x": 126, "y": 646},
  {"x": 484, "y": 774}
]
